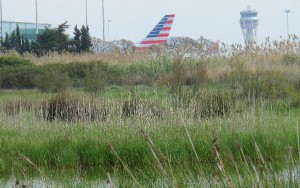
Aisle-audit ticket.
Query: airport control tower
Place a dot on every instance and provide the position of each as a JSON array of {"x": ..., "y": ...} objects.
[{"x": 249, "y": 23}]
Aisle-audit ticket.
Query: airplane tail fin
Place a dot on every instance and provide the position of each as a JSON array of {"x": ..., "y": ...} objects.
[{"x": 159, "y": 34}]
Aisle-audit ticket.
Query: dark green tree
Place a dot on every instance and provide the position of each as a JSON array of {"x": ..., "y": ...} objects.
[
  {"x": 6, "y": 42},
  {"x": 63, "y": 44},
  {"x": 18, "y": 43},
  {"x": 52, "y": 40},
  {"x": 13, "y": 40},
  {"x": 36, "y": 48},
  {"x": 22, "y": 46},
  {"x": 77, "y": 39},
  {"x": 86, "y": 41},
  {"x": 27, "y": 45}
]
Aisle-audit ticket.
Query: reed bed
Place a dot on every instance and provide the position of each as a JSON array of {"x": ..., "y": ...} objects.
[
  {"x": 150, "y": 119},
  {"x": 174, "y": 149}
]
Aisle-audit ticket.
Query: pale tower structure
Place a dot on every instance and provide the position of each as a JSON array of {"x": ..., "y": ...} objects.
[{"x": 249, "y": 24}]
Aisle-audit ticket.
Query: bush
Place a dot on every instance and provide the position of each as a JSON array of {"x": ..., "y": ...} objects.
[
  {"x": 53, "y": 81},
  {"x": 212, "y": 104},
  {"x": 196, "y": 76},
  {"x": 13, "y": 60},
  {"x": 67, "y": 107},
  {"x": 131, "y": 107},
  {"x": 19, "y": 77},
  {"x": 76, "y": 71},
  {"x": 136, "y": 107},
  {"x": 267, "y": 84},
  {"x": 96, "y": 77},
  {"x": 136, "y": 79},
  {"x": 180, "y": 75}
]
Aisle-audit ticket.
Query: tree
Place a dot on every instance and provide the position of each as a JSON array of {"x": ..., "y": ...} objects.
[
  {"x": 6, "y": 42},
  {"x": 18, "y": 42},
  {"x": 52, "y": 40},
  {"x": 86, "y": 41},
  {"x": 27, "y": 45},
  {"x": 22, "y": 46},
  {"x": 63, "y": 42},
  {"x": 13, "y": 40},
  {"x": 77, "y": 39}
]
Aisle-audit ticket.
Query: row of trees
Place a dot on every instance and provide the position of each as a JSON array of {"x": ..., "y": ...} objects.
[
  {"x": 51, "y": 40},
  {"x": 15, "y": 42}
]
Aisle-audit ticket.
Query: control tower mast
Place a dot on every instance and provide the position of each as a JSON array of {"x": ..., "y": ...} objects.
[{"x": 249, "y": 24}]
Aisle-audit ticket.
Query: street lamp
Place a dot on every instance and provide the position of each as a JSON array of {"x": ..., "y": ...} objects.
[
  {"x": 108, "y": 29},
  {"x": 287, "y": 21},
  {"x": 36, "y": 18},
  {"x": 1, "y": 21},
  {"x": 103, "y": 19},
  {"x": 86, "y": 13}
]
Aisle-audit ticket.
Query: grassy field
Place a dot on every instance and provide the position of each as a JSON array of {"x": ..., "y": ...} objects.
[
  {"x": 151, "y": 120},
  {"x": 170, "y": 145}
]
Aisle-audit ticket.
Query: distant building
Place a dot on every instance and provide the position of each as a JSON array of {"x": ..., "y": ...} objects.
[
  {"x": 27, "y": 30},
  {"x": 249, "y": 24}
]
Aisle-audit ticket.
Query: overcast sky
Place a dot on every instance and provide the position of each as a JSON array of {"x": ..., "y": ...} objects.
[{"x": 133, "y": 19}]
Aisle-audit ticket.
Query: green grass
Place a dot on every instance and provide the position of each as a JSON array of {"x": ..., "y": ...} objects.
[{"x": 65, "y": 151}]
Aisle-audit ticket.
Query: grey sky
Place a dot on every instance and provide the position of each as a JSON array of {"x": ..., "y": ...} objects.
[{"x": 133, "y": 19}]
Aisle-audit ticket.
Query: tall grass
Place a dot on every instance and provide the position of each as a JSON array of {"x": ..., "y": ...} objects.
[
  {"x": 156, "y": 120},
  {"x": 259, "y": 136}
]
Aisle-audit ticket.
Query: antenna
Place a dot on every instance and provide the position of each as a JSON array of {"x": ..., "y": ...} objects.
[{"x": 249, "y": 24}]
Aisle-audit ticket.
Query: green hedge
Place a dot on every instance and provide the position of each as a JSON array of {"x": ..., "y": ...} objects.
[
  {"x": 13, "y": 61},
  {"x": 17, "y": 73}
]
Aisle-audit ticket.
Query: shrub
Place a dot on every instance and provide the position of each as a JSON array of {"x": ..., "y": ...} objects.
[
  {"x": 19, "y": 77},
  {"x": 212, "y": 104},
  {"x": 13, "y": 60},
  {"x": 67, "y": 107},
  {"x": 131, "y": 107},
  {"x": 136, "y": 107},
  {"x": 197, "y": 75},
  {"x": 96, "y": 76},
  {"x": 181, "y": 74},
  {"x": 53, "y": 81},
  {"x": 136, "y": 79},
  {"x": 76, "y": 71},
  {"x": 266, "y": 84}
]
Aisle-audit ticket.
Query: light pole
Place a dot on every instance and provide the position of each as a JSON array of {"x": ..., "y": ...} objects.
[
  {"x": 36, "y": 18},
  {"x": 1, "y": 21},
  {"x": 103, "y": 19},
  {"x": 108, "y": 29},
  {"x": 86, "y": 13},
  {"x": 287, "y": 21}
]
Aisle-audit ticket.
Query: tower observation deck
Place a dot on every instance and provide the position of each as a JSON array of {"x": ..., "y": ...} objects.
[{"x": 249, "y": 24}]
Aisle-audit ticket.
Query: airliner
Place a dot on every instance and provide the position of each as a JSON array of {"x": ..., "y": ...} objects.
[{"x": 160, "y": 34}]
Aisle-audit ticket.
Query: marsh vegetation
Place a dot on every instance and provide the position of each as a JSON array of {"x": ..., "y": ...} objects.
[{"x": 148, "y": 119}]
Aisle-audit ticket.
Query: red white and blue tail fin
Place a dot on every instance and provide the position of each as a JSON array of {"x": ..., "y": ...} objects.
[{"x": 159, "y": 34}]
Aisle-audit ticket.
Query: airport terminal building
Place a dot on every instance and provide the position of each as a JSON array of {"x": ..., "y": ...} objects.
[{"x": 27, "y": 29}]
